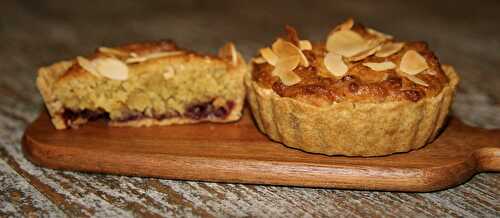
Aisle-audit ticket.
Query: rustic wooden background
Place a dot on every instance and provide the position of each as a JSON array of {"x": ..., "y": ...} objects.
[{"x": 35, "y": 33}]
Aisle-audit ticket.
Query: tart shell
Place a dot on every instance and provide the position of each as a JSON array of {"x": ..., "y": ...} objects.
[{"x": 351, "y": 128}]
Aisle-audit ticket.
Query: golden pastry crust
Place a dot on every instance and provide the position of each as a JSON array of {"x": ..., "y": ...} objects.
[
  {"x": 391, "y": 97},
  {"x": 162, "y": 90}
]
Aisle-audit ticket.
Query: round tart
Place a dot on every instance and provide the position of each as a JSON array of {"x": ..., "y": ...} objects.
[{"x": 360, "y": 93}]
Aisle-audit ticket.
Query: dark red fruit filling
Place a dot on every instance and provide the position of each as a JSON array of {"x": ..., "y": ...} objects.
[
  {"x": 196, "y": 111},
  {"x": 204, "y": 110},
  {"x": 71, "y": 115}
]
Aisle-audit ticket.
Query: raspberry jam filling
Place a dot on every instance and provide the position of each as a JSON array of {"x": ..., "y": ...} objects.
[{"x": 196, "y": 111}]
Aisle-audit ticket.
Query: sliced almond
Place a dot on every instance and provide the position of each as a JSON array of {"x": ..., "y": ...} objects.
[
  {"x": 87, "y": 65},
  {"x": 114, "y": 52},
  {"x": 150, "y": 56},
  {"x": 413, "y": 63},
  {"x": 229, "y": 51},
  {"x": 112, "y": 68},
  {"x": 389, "y": 49},
  {"x": 334, "y": 63},
  {"x": 387, "y": 65},
  {"x": 416, "y": 80},
  {"x": 364, "y": 54},
  {"x": 305, "y": 45},
  {"x": 346, "y": 43},
  {"x": 259, "y": 60},
  {"x": 346, "y": 25},
  {"x": 285, "y": 64},
  {"x": 269, "y": 56},
  {"x": 378, "y": 34},
  {"x": 289, "y": 78},
  {"x": 234, "y": 55},
  {"x": 430, "y": 72},
  {"x": 303, "y": 59},
  {"x": 283, "y": 49}
]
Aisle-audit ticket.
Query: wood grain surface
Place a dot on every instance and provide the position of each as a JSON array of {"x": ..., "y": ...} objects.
[
  {"x": 239, "y": 153},
  {"x": 37, "y": 33}
]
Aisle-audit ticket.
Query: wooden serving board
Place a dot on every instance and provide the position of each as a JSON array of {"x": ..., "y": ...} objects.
[{"x": 239, "y": 153}]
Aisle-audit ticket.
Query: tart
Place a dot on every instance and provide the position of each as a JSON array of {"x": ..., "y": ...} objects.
[
  {"x": 359, "y": 93},
  {"x": 144, "y": 84}
]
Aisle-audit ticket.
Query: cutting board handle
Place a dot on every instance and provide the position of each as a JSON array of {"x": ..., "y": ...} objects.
[{"x": 488, "y": 159}]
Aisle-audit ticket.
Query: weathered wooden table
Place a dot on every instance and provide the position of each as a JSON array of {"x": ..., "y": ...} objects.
[{"x": 35, "y": 33}]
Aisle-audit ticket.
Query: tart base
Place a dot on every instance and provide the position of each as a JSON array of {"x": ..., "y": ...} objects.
[{"x": 351, "y": 128}]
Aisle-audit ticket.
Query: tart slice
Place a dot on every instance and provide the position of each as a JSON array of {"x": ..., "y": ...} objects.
[
  {"x": 358, "y": 93},
  {"x": 144, "y": 84}
]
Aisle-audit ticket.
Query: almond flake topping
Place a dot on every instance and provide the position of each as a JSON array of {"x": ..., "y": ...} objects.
[
  {"x": 111, "y": 68},
  {"x": 150, "y": 56},
  {"x": 366, "y": 53},
  {"x": 305, "y": 45},
  {"x": 283, "y": 48},
  {"x": 378, "y": 34},
  {"x": 334, "y": 63},
  {"x": 387, "y": 65},
  {"x": 346, "y": 25},
  {"x": 389, "y": 49},
  {"x": 269, "y": 56},
  {"x": 289, "y": 78},
  {"x": 303, "y": 59},
  {"x": 346, "y": 43},
  {"x": 284, "y": 70},
  {"x": 413, "y": 63},
  {"x": 287, "y": 61},
  {"x": 285, "y": 64},
  {"x": 114, "y": 52},
  {"x": 259, "y": 60},
  {"x": 229, "y": 51},
  {"x": 415, "y": 79},
  {"x": 88, "y": 66}
]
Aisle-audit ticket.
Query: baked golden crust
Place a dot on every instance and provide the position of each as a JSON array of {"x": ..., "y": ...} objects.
[
  {"x": 163, "y": 85},
  {"x": 351, "y": 128},
  {"x": 359, "y": 94}
]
